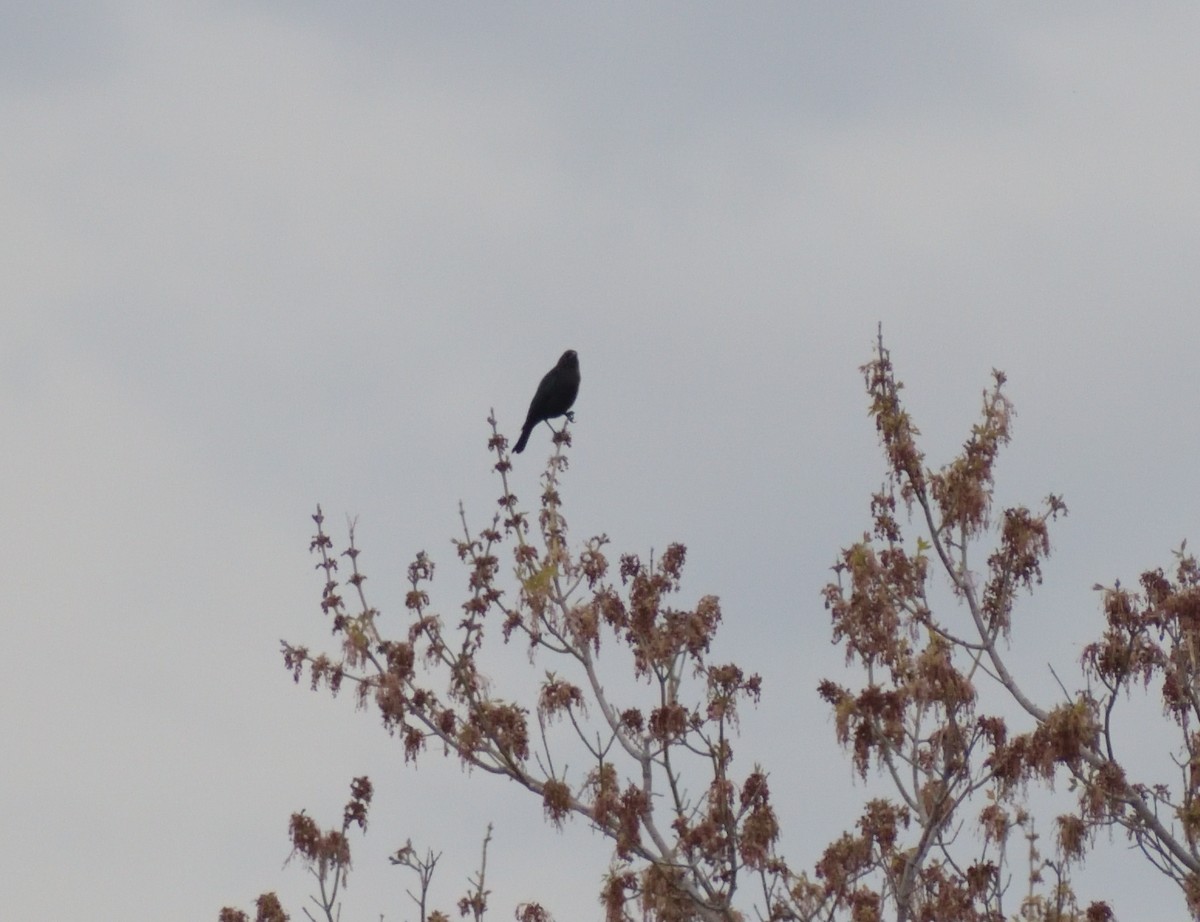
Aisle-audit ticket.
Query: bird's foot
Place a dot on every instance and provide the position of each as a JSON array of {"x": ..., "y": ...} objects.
[{"x": 570, "y": 415}]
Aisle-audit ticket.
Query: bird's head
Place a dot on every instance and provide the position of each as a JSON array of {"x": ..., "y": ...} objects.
[{"x": 569, "y": 359}]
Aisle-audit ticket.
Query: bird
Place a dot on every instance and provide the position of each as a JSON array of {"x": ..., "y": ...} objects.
[{"x": 555, "y": 395}]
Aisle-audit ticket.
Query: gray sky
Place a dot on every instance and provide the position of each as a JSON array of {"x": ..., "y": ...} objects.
[{"x": 260, "y": 255}]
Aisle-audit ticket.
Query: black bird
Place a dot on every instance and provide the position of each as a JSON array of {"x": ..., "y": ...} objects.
[{"x": 554, "y": 396}]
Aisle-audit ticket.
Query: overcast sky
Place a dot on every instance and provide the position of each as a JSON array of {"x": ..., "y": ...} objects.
[{"x": 260, "y": 255}]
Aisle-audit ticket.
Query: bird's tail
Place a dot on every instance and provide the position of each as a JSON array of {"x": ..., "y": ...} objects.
[{"x": 520, "y": 446}]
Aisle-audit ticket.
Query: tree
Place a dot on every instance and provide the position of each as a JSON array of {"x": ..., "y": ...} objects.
[
  {"x": 917, "y": 717},
  {"x": 631, "y": 692}
]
